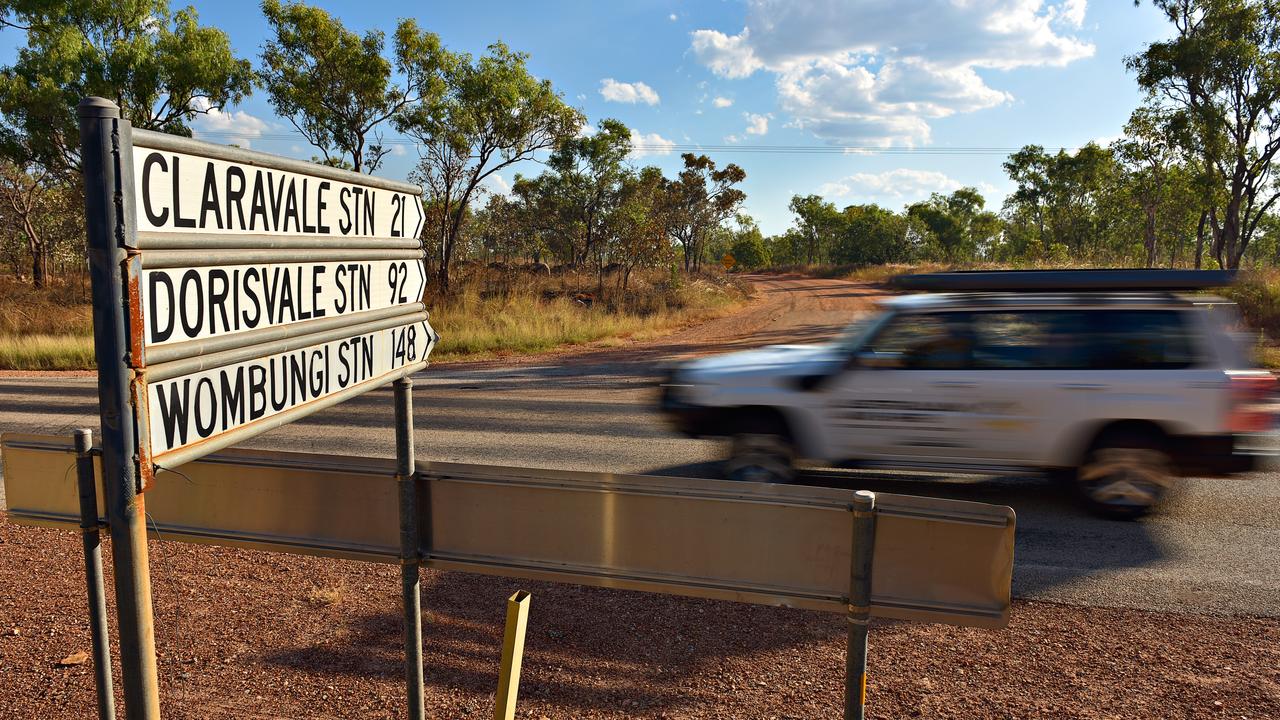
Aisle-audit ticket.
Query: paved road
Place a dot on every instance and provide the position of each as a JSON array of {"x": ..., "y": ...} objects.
[{"x": 1214, "y": 548}]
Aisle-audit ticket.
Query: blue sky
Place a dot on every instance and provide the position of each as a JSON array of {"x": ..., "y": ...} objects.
[{"x": 771, "y": 75}]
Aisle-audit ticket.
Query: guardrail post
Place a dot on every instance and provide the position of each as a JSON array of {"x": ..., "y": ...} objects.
[
  {"x": 410, "y": 552},
  {"x": 108, "y": 197},
  {"x": 89, "y": 532},
  {"x": 855, "y": 668},
  {"x": 504, "y": 702}
]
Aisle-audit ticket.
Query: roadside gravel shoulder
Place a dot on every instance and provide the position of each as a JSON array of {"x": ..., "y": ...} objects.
[{"x": 261, "y": 635}]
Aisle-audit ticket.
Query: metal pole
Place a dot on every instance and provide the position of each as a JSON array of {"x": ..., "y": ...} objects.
[
  {"x": 855, "y": 667},
  {"x": 410, "y": 551},
  {"x": 93, "y": 574},
  {"x": 104, "y": 145}
]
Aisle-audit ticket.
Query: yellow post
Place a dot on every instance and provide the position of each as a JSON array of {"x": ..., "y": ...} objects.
[{"x": 504, "y": 707}]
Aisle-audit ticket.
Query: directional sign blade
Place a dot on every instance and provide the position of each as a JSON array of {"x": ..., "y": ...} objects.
[
  {"x": 182, "y": 304},
  {"x": 192, "y": 408},
  {"x": 180, "y": 192}
]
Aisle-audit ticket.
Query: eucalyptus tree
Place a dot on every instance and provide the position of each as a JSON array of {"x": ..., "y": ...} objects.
[
  {"x": 162, "y": 68},
  {"x": 336, "y": 88},
  {"x": 1221, "y": 73},
  {"x": 490, "y": 114},
  {"x": 699, "y": 200}
]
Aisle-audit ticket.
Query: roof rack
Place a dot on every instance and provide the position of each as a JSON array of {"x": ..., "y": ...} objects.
[{"x": 1050, "y": 280}]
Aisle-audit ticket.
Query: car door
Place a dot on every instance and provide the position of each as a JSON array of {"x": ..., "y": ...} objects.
[
  {"x": 1035, "y": 381},
  {"x": 907, "y": 397}
]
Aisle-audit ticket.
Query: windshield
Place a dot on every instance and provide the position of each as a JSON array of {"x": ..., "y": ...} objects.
[{"x": 853, "y": 336}]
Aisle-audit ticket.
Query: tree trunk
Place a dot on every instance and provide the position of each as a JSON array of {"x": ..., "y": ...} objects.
[
  {"x": 1204, "y": 218},
  {"x": 1150, "y": 236},
  {"x": 39, "y": 254}
]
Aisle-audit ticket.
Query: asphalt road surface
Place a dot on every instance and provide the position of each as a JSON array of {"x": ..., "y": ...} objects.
[{"x": 1213, "y": 548}]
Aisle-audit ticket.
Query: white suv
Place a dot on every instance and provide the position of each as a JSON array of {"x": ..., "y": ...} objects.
[{"x": 1106, "y": 378}]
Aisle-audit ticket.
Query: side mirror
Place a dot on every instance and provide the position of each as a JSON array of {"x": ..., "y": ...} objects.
[{"x": 879, "y": 360}]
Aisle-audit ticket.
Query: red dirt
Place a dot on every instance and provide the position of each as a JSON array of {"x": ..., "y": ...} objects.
[{"x": 246, "y": 634}]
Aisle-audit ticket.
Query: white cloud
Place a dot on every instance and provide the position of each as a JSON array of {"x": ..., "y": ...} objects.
[
  {"x": 236, "y": 127},
  {"x": 901, "y": 185},
  {"x": 732, "y": 139},
  {"x": 399, "y": 149},
  {"x": 636, "y": 92},
  {"x": 1071, "y": 13},
  {"x": 730, "y": 57},
  {"x": 650, "y": 144},
  {"x": 497, "y": 184},
  {"x": 722, "y": 102},
  {"x": 673, "y": 17},
  {"x": 877, "y": 76},
  {"x": 757, "y": 124}
]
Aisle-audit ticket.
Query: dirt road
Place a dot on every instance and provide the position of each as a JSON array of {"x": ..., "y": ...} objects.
[{"x": 248, "y": 634}]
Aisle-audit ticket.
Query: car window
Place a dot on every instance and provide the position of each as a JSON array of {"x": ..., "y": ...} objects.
[
  {"x": 1027, "y": 340},
  {"x": 1141, "y": 340},
  {"x": 925, "y": 341}
]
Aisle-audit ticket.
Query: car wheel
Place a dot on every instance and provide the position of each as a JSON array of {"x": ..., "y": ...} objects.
[
  {"x": 760, "y": 457},
  {"x": 1125, "y": 478}
]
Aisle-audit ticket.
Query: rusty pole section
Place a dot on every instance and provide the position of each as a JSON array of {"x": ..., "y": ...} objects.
[
  {"x": 855, "y": 667},
  {"x": 410, "y": 550},
  {"x": 108, "y": 185},
  {"x": 93, "y": 574}
]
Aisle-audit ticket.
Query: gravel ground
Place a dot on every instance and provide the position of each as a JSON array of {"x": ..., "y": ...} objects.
[{"x": 247, "y": 634}]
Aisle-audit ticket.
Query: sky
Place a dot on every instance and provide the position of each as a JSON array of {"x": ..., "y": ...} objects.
[{"x": 861, "y": 101}]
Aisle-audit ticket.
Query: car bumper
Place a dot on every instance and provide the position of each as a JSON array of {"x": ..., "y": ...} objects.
[
  {"x": 1226, "y": 454},
  {"x": 689, "y": 419}
]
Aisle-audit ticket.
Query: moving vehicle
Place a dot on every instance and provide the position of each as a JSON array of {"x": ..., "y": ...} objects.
[{"x": 1115, "y": 380}]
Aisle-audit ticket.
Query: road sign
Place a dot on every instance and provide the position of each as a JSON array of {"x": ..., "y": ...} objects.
[
  {"x": 204, "y": 191},
  {"x": 192, "y": 408},
  {"x": 192, "y": 303},
  {"x": 233, "y": 292},
  {"x": 260, "y": 289}
]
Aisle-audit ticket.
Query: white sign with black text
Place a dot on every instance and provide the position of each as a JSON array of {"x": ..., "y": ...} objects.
[
  {"x": 287, "y": 249},
  {"x": 193, "y": 303},
  {"x": 191, "y": 408},
  {"x": 177, "y": 192}
]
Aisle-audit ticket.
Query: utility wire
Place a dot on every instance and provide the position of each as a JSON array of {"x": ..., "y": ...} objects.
[{"x": 722, "y": 148}]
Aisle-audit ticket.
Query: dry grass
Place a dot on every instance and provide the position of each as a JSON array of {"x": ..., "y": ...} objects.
[
  {"x": 491, "y": 313},
  {"x": 328, "y": 596},
  {"x": 62, "y": 308},
  {"x": 46, "y": 352}
]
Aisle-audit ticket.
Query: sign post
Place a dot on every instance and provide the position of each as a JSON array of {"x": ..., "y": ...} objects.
[
  {"x": 861, "y": 554},
  {"x": 86, "y": 483},
  {"x": 234, "y": 292},
  {"x": 109, "y": 222}
]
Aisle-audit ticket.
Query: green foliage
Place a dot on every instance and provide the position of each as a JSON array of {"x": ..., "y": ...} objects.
[
  {"x": 578, "y": 195},
  {"x": 490, "y": 113},
  {"x": 750, "y": 252},
  {"x": 698, "y": 201},
  {"x": 335, "y": 86},
  {"x": 817, "y": 225},
  {"x": 959, "y": 225},
  {"x": 1218, "y": 79},
  {"x": 161, "y": 68}
]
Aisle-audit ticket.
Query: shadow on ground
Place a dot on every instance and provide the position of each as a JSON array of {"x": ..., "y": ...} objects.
[{"x": 586, "y": 647}]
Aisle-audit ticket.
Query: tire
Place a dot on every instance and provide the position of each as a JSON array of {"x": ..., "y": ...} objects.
[
  {"x": 1123, "y": 477},
  {"x": 763, "y": 457}
]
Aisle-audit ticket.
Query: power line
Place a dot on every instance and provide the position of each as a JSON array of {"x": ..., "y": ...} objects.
[{"x": 731, "y": 148}]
